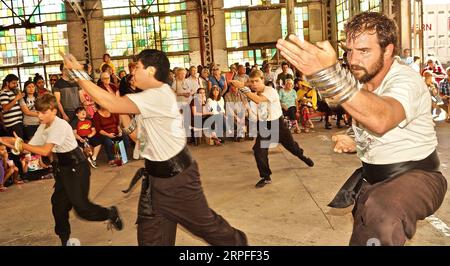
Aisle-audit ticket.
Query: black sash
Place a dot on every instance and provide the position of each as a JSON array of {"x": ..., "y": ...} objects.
[{"x": 374, "y": 173}]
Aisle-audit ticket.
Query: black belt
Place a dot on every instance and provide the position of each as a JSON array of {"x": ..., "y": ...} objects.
[
  {"x": 375, "y": 173},
  {"x": 163, "y": 169},
  {"x": 72, "y": 157}
]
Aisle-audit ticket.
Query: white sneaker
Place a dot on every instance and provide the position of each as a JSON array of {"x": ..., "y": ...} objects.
[{"x": 92, "y": 162}]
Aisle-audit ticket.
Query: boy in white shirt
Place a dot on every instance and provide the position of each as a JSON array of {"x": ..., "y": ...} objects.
[
  {"x": 271, "y": 128},
  {"x": 171, "y": 191},
  {"x": 72, "y": 169}
]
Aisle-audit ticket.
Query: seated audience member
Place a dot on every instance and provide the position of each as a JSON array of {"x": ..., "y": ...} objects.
[
  {"x": 215, "y": 105},
  {"x": 288, "y": 99},
  {"x": 107, "y": 85},
  {"x": 108, "y": 130},
  {"x": 10, "y": 169},
  {"x": 236, "y": 113},
  {"x": 198, "y": 114},
  {"x": 305, "y": 107},
  {"x": 34, "y": 168},
  {"x": 85, "y": 133}
]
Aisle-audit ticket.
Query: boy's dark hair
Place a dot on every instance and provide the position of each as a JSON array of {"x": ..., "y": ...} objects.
[
  {"x": 284, "y": 64},
  {"x": 156, "y": 59},
  {"x": 79, "y": 109},
  {"x": 45, "y": 102}
]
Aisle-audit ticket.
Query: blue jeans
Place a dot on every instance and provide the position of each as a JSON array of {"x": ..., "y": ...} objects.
[{"x": 109, "y": 145}]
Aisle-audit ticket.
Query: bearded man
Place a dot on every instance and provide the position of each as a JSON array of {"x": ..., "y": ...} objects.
[{"x": 399, "y": 182}]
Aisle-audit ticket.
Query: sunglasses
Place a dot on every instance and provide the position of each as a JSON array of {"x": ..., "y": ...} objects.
[{"x": 53, "y": 80}]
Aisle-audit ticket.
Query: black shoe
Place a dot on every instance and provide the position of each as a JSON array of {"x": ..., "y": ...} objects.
[
  {"x": 64, "y": 241},
  {"x": 115, "y": 220},
  {"x": 261, "y": 183},
  {"x": 307, "y": 160},
  {"x": 328, "y": 126}
]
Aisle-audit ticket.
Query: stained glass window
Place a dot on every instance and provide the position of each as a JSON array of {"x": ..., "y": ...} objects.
[
  {"x": 132, "y": 35},
  {"x": 140, "y": 5},
  {"x": 301, "y": 18},
  {"x": 369, "y": 5},
  {"x": 241, "y": 57},
  {"x": 116, "y": 7},
  {"x": 173, "y": 33},
  {"x": 179, "y": 61},
  {"x": 25, "y": 73},
  {"x": 236, "y": 28},
  {"x": 32, "y": 44},
  {"x": 6, "y": 71},
  {"x": 144, "y": 31},
  {"x": 171, "y": 5},
  {"x": 55, "y": 40},
  {"x": 342, "y": 16},
  {"x": 8, "y": 47},
  {"x": 118, "y": 37},
  {"x": 264, "y": 54},
  {"x": 29, "y": 45},
  {"x": 121, "y": 64},
  {"x": 235, "y": 3}
]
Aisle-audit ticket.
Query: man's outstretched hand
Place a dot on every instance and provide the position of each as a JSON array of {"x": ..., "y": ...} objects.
[
  {"x": 70, "y": 62},
  {"x": 307, "y": 57}
]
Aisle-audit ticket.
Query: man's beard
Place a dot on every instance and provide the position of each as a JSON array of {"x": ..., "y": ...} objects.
[{"x": 367, "y": 76}]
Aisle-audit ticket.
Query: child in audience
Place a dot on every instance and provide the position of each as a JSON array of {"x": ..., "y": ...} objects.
[
  {"x": 10, "y": 170},
  {"x": 34, "y": 168},
  {"x": 85, "y": 132}
]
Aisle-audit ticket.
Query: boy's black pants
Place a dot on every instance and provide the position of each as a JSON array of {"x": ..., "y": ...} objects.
[{"x": 71, "y": 190}]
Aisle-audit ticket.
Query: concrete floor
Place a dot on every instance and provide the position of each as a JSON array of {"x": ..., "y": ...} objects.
[{"x": 292, "y": 211}]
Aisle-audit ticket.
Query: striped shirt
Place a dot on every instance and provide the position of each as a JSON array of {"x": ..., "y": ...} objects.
[{"x": 14, "y": 115}]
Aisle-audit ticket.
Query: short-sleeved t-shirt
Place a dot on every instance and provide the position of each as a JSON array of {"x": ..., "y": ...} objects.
[
  {"x": 271, "y": 110},
  {"x": 14, "y": 115},
  {"x": 160, "y": 123},
  {"x": 83, "y": 128},
  {"x": 288, "y": 97},
  {"x": 58, "y": 133},
  {"x": 415, "y": 137},
  {"x": 27, "y": 119},
  {"x": 70, "y": 97}
]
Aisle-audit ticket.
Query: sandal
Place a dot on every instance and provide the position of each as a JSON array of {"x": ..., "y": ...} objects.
[
  {"x": 18, "y": 182},
  {"x": 3, "y": 189}
]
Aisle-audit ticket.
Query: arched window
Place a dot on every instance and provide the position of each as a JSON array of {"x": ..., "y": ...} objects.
[{"x": 32, "y": 32}]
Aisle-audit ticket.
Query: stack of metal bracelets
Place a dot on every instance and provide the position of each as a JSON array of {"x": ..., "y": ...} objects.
[
  {"x": 75, "y": 74},
  {"x": 130, "y": 128},
  {"x": 336, "y": 84}
]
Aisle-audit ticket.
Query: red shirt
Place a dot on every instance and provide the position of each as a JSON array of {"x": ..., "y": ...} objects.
[
  {"x": 108, "y": 124},
  {"x": 84, "y": 128}
]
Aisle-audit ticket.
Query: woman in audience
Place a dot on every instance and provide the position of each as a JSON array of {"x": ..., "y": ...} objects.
[
  {"x": 30, "y": 119},
  {"x": 288, "y": 99},
  {"x": 198, "y": 114},
  {"x": 105, "y": 77},
  {"x": 39, "y": 82},
  {"x": 216, "y": 106},
  {"x": 107, "y": 126}
]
